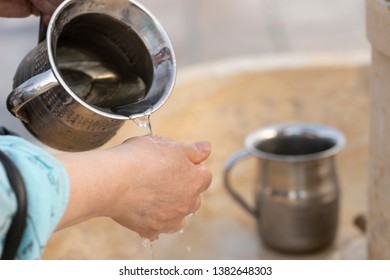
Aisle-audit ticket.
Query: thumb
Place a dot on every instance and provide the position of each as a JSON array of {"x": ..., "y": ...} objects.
[
  {"x": 198, "y": 151},
  {"x": 34, "y": 10}
]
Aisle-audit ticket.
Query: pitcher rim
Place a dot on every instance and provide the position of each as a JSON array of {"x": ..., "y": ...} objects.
[{"x": 94, "y": 109}]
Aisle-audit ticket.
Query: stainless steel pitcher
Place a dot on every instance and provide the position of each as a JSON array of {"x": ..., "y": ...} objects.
[
  {"x": 297, "y": 201},
  {"x": 103, "y": 62}
]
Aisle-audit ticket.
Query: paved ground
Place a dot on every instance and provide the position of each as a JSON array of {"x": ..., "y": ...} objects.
[{"x": 205, "y": 30}]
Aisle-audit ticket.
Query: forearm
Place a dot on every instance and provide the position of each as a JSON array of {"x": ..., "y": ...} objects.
[{"x": 91, "y": 186}]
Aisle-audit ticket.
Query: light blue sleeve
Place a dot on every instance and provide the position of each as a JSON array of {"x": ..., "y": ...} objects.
[{"x": 47, "y": 187}]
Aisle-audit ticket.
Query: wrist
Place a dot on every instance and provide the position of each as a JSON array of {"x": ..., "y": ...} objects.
[{"x": 91, "y": 193}]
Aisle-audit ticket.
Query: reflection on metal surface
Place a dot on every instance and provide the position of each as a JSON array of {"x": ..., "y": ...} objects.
[
  {"x": 297, "y": 202},
  {"x": 104, "y": 67}
]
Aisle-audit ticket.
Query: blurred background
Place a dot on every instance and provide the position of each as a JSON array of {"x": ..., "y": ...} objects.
[
  {"x": 204, "y": 30},
  {"x": 209, "y": 32}
]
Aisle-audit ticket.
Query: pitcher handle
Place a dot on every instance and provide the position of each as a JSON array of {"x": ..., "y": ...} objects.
[
  {"x": 42, "y": 30},
  {"x": 230, "y": 163},
  {"x": 29, "y": 90}
]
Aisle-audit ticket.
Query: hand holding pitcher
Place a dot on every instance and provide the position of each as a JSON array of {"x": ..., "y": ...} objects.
[{"x": 103, "y": 62}]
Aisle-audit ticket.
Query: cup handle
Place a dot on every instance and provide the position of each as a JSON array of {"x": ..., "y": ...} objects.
[
  {"x": 28, "y": 90},
  {"x": 230, "y": 163}
]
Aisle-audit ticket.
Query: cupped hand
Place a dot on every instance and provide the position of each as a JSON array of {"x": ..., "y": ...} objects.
[{"x": 166, "y": 181}]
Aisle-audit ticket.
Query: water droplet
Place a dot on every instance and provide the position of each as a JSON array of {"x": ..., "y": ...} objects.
[
  {"x": 144, "y": 122},
  {"x": 146, "y": 243}
]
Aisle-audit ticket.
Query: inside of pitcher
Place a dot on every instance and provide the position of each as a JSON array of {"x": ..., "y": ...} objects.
[{"x": 103, "y": 61}]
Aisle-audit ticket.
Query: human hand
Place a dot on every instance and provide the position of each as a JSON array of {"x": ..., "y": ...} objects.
[
  {"x": 148, "y": 184},
  {"x": 167, "y": 180},
  {"x": 25, "y": 8}
]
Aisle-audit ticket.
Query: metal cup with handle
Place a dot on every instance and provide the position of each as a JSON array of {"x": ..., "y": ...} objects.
[
  {"x": 101, "y": 62},
  {"x": 297, "y": 202}
]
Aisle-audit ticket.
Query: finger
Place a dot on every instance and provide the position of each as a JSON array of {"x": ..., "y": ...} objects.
[
  {"x": 35, "y": 11},
  {"x": 197, "y": 152},
  {"x": 194, "y": 207},
  {"x": 17, "y": 10},
  {"x": 47, "y": 7},
  {"x": 206, "y": 176},
  {"x": 46, "y": 19}
]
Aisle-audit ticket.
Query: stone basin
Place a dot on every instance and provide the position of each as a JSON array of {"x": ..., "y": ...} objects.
[{"x": 222, "y": 102}]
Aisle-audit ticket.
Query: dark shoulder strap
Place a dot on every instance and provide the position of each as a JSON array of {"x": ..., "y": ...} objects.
[
  {"x": 15, "y": 232},
  {"x": 6, "y": 131}
]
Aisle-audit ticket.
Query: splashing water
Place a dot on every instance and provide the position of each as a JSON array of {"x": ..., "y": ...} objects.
[
  {"x": 181, "y": 231},
  {"x": 146, "y": 243}
]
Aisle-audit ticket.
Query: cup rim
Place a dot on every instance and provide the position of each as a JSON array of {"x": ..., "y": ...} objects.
[
  {"x": 167, "y": 45},
  {"x": 291, "y": 129}
]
